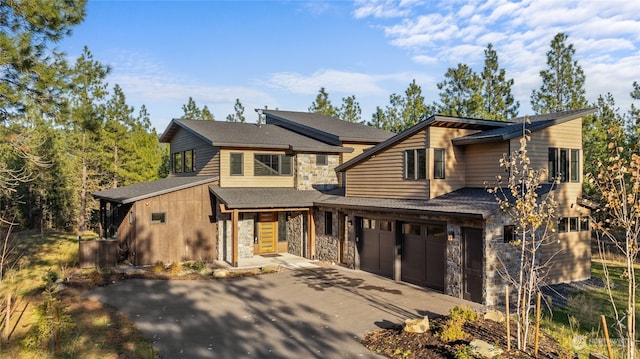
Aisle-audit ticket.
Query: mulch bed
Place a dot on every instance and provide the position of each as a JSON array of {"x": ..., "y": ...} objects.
[{"x": 395, "y": 343}]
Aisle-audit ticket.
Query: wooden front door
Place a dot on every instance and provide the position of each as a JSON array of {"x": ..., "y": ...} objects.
[{"x": 267, "y": 232}]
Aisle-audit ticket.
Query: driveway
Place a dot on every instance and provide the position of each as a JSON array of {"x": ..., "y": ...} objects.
[{"x": 305, "y": 313}]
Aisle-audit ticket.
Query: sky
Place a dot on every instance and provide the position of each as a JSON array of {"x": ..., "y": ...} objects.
[{"x": 280, "y": 53}]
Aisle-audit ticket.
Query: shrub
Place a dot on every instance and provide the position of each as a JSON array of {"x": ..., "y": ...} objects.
[
  {"x": 175, "y": 268},
  {"x": 157, "y": 267},
  {"x": 49, "y": 276},
  {"x": 465, "y": 312},
  {"x": 452, "y": 329}
]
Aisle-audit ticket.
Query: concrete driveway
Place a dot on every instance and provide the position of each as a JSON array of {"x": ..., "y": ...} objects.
[{"x": 305, "y": 313}]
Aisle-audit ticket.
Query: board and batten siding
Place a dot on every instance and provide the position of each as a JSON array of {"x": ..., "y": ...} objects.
[
  {"x": 455, "y": 169},
  {"x": 207, "y": 156},
  {"x": 382, "y": 175},
  {"x": 482, "y": 163},
  {"x": 188, "y": 234},
  {"x": 248, "y": 179}
]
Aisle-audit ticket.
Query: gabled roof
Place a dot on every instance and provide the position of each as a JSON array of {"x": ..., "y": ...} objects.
[
  {"x": 436, "y": 121},
  {"x": 325, "y": 128},
  {"x": 514, "y": 129},
  {"x": 146, "y": 190},
  {"x": 264, "y": 197},
  {"x": 465, "y": 202},
  {"x": 248, "y": 135}
]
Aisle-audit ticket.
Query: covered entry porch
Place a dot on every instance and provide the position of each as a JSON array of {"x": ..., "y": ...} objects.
[{"x": 264, "y": 222}]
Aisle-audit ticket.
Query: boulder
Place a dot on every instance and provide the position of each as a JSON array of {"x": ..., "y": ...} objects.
[
  {"x": 416, "y": 325},
  {"x": 481, "y": 349},
  {"x": 220, "y": 273},
  {"x": 494, "y": 315}
]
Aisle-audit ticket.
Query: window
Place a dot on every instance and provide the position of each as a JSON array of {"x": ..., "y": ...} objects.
[
  {"x": 509, "y": 233},
  {"x": 236, "y": 165},
  {"x": 564, "y": 165},
  {"x": 412, "y": 228},
  {"x": 272, "y": 165},
  {"x": 415, "y": 164},
  {"x": 282, "y": 226},
  {"x": 584, "y": 224},
  {"x": 177, "y": 162},
  {"x": 158, "y": 218},
  {"x": 189, "y": 161},
  {"x": 574, "y": 224},
  {"x": 322, "y": 160},
  {"x": 563, "y": 225},
  {"x": 328, "y": 223},
  {"x": 438, "y": 163}
]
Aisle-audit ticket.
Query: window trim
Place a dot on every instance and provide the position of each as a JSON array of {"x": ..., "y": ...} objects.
[
  {"x": 328, "y": 223},
  {"x": 415, "y": 164},
  {"x": 439, "y": 161},
  {"x": 509, "y": 233},
  {"x": 178, "y": 162},
  {"x": 564, "y": 165},
  {"x": 280, "y": 166},
  {"x": 324, "y": 162},
  {"x": 162, "y": 220},
  {"x": 231, "y": 163}
]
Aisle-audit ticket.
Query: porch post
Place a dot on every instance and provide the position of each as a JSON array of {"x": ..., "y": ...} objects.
[
  {"x": 234, "y": 238},
  {"x": 312, "y": 234}
]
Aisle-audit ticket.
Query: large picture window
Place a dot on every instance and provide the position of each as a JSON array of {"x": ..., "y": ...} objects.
[
  {"x": 236, "y": 165},
  {"x": 272, "y": 165},
  {"x": 564, "y": 165},
  {"x": 438, "y": 163},
  {"x": 415, "y": 164},
  {"x": 184, "y": 161},
  {"x": 177, "y": 162},
  {"x": 189, "y": 161}
]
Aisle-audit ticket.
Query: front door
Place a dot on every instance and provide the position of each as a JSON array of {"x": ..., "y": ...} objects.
[
  {"x": 267, "y": 232},
  {"x": 472, "y": 263}
]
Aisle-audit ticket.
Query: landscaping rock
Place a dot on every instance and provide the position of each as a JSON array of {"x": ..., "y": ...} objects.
[
  {"x": 494, "y": 315},
  {"x": 220, "y": 273},
  {"x": 480, "y": 348},
  {"x": 416, "y": 325}
]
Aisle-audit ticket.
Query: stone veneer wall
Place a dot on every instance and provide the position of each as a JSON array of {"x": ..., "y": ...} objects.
[
  {"x": 295, "y": 233},
  {"x": 246, "y": 233},
  {"x": 310, "y": 176},
  {"x": 327, "y": 244}
]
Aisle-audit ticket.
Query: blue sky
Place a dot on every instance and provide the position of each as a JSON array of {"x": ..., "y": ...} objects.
[{"x": 279, "y": 53}]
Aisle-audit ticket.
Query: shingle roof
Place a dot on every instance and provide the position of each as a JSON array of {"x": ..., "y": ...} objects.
[
  {"x": 326, "y": 128},
  {"x": 465, "y": 202},
  {"x": 249, "y": 135},
  {"x": 264, "y": 197},
  {"x": 536, "y": 123},
  {"x": 145, "y": 190}
]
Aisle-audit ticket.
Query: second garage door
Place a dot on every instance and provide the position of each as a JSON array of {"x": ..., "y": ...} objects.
[
  {"x": 377, "y": 246},
  {"x": 424, "y": 249}
]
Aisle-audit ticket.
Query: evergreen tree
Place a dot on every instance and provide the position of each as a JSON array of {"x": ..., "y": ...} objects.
[
  {"x": 634, "y": 115},
  {"x": 393, "y": 113},
  {"x": 191, "y": 111},
  {"x": 461, "y": 93},
  {"x": 378, "y": 119},
  {"x": 323, "y": 105},
  {"x": 562, "y": 81},
  {"x": 498, "y": 103},
  {"x": 350, "y": 110},
  {"x": 142, "y": 158},
  {"x": 414, "y": 109},
  {"x": 238, "y": 116},
  {"x": 85, "y": 125},
  {"x": 116, "y": 133}
]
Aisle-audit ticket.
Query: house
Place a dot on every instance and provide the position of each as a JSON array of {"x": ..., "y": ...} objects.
[{"x": 411, "y": 207}]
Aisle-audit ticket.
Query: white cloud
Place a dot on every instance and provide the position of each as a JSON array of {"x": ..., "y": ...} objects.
[
  {"x": 332, "y": 80},
  {"x": 382, "y": 9}
]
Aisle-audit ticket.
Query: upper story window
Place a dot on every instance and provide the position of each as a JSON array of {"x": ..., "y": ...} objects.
[
  {"x": 184, "y": 162},
  {"x": 272, "y": 165},
  {"x": 438, "y": 163},
  {"x": 236, "y": 164},
  {"x": 415, "y": 164},
  {"x": 322, "y": 160},
  {"x": 564, "y": 164}
]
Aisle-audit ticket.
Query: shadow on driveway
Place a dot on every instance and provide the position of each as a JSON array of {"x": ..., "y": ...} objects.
[{"x": 321, "y": 313}]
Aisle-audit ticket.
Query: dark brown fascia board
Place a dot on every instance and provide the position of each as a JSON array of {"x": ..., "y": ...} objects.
[
  {"x": 304, "y": 130},
  {"x": 176, "y": 122},
  {"x": 401, "y": 210}
]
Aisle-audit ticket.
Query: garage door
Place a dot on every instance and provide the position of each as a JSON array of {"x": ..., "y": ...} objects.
[
  {"x": 377, "y": 246},
  {"x": 424, "y": 249}
]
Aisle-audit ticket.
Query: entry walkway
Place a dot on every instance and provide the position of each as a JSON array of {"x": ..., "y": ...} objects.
[{"x": 320, "y": 312}]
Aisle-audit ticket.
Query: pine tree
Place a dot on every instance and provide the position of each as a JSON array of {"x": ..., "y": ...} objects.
[
  {"x": 414, "y": 109},
  {"x": 191, "y": 111},
  {"x": 117, "y": 131},
  {"x": 350, "y": 110},
  {"x": 323, "y": 105},
  {"x": 238, "y": 116},
  {"x": 562, "y": 81},
  {"x": 143, "y": 155},
  {"x": 498, "y": 102},
  {"x": 460, "y": 93},
  {"x": 378, "y": 119}
]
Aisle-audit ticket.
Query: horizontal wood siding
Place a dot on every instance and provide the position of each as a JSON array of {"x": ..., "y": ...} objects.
[
  {"x": 188, "y": 234},
  {"x": 571, "y": 257},
  {"x": 381, "y": 175},
  {"x": 358, "y": 148},
  {"x": 207, "y": 156},
  {"x": 455, "y": 169},
  {"x": 248, "y": 179},
  {"x": 482, "y": 163}
]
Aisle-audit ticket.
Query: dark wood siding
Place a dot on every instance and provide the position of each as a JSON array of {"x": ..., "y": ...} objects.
[{"x": 207, "y": 156}]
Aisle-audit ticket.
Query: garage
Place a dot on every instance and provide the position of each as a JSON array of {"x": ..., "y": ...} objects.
[
  {"x": 424, "y": 249},
  {"x": 376, "y": 246}
]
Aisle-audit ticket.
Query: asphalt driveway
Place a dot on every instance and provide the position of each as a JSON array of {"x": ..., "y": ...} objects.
[{"x": 305, "y": 313}]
